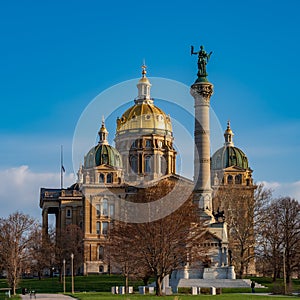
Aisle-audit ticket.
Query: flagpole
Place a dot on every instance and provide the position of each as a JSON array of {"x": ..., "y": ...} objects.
[{"x": 61, "y": 168}]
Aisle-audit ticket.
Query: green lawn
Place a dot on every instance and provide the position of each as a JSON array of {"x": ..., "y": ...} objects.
[
  {"x": 108, "y": 296},
  {"x": 99, "y": 287}
]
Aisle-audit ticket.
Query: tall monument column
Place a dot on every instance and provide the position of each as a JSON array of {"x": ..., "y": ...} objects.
[{"x": 201, "y": 91}]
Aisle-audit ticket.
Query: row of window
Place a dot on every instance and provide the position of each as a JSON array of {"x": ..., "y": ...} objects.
[
  {"x": 105, "y": 209},
  {"x": 102, "y": 227},
  {"x": 234, "y": 179},
  {"x": 148, "y": 144},
  {"x": 106, "y": 179},
  {"x": 148, "y": 164}
]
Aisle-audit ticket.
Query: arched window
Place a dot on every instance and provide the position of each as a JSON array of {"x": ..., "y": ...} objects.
[
  {"x": 101, "y": 177},
  {"x": 238, "y": 179},
  {"x": 230, "y": 179},
  {"x": 147, "y": 164},
  {"x": 134, "y": 165},
  {"x": 101, "y": 269},
  {"x": 109, "y": 178}
]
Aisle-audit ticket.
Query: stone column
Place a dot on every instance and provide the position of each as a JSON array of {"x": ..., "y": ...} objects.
[
  {"x": 45, "y": 221},
  {"x": 202, "y": 91},
  {"x": 225, "y": 257},
  {"x": 220, "y": 256}
]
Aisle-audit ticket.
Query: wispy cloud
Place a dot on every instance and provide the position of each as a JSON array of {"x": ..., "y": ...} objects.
[
  {"x": 290, "y": 189},
  {"x": 20, "y": 188}
]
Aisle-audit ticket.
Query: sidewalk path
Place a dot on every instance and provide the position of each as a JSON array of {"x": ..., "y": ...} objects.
[{"x": 47, "y": 297}]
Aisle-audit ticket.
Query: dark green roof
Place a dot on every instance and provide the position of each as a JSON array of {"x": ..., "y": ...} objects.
[
  {"x": 103, "y": 154},
  {"x": 229, "y": 156}
]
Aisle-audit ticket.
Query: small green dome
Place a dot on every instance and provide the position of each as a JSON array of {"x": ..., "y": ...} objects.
[
  {"x": 229, "y": 156},
  {"x": 103, "y": 154}
]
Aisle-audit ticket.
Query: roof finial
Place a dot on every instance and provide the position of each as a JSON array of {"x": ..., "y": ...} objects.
[
  {"x": 144, "y": 67},
  {"x": 228, "y": 124},
  {"x": 103, "y": 120}
]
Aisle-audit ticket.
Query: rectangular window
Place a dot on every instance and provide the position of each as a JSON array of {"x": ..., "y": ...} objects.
[
  {"x": 111, "y": 210},
  {"x": 104, "y": 207},
  {"x": 97, "y": 210},
  {"x": 104, "y": 228},
  {"x": 98, "y": 227}
]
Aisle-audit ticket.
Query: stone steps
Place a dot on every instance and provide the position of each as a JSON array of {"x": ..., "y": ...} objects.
[{"x": 218, "y": 283}]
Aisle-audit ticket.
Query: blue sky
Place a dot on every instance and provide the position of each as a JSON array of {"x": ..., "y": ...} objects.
[{"x": 56, "y": 56}]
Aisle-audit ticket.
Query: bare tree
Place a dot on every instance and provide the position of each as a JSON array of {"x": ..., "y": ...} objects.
[
  {"x": 119, "y": 252},
  {"x": 289, "y": 221},
  {"x": 69, "y": 241},
  {"x": 163, "y": 245},
  {"x": 279, "y": 236},
  {"x": 42, "y": 251},
  {"x": 243, "y": 207},
  {"x": 16, "y": 236},
  {"x": 238, "y": 206}
]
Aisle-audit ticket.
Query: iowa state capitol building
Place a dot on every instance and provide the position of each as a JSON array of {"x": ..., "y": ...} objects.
[{"x": 144, "y": 156}]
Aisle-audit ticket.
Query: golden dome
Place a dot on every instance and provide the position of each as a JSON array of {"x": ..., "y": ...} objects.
[{"x": 146, "y": 117}]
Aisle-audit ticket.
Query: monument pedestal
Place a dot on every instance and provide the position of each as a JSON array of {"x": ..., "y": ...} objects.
[{"x": 219, "y": 273}]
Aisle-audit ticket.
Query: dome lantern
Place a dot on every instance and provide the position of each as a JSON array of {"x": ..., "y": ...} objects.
[
  {"x": 103, "y": 134},
  {"x": 143, "y": 86},
  {"x": 228, "y": 135}
]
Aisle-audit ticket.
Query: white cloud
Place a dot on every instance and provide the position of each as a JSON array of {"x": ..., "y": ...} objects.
[
  {"x": 290, "y": 189},
  {"x": 20, "y": 188}
]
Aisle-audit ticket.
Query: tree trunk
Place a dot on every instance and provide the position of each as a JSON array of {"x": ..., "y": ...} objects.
[
  {"x": 146, "y": 279},
  {"x": 241, "y": 272},
  {"x": 158, "y": 286},
  {"x": 126, "y": 283}
]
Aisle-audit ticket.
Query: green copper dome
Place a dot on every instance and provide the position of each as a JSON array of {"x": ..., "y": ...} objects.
[
  {"x": 103, "y": 153},
  {"x": 228, "y": 155}
]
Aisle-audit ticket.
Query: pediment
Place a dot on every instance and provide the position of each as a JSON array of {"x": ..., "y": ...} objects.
[
  {"x": 212, "y": 236},
  {"x": 105, "y": 168},
  {"x": 234, "y": 169}
]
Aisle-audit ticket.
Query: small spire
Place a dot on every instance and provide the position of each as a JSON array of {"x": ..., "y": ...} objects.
[
  {"x": 144, "y": 67},
  {"x": 228, "y": 135},
  {"x": 103, "y": 133}
]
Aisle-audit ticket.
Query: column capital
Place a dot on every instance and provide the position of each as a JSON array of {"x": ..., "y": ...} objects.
[{"x": 202, "y": 89}]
